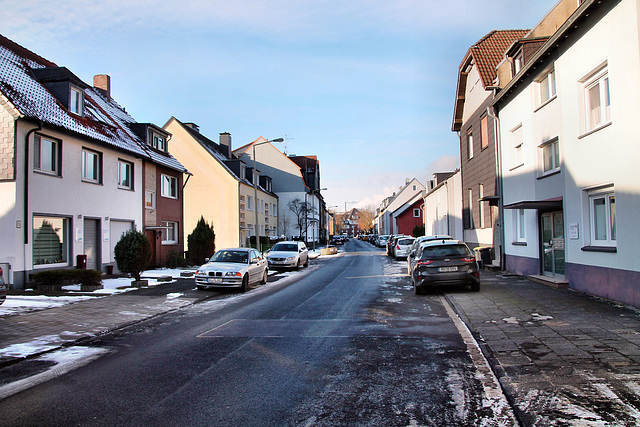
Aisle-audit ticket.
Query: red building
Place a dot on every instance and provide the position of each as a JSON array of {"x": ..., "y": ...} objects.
[{"x": 410, "y": 215}]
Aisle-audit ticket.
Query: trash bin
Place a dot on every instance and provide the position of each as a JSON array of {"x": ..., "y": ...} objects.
[
  {"x": 483, "y": 255},
  {"x": 81, "y": 262},
  {"x": 109, "y": 269}
]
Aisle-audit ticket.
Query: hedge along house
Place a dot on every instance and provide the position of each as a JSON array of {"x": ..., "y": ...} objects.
[
  {"x": 569, "y": 158},
  {"x": 71, "y": 171}
]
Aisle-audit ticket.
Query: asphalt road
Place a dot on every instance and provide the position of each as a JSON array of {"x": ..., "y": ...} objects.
[{"x": 346, "y": 344}]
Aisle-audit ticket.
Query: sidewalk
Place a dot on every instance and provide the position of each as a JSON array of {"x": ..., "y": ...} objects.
[{"x": 562, "y": 357}]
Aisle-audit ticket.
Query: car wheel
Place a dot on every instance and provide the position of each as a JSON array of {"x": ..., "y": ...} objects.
[
  {"x": 298, "y": 264},
  {"x": 306, "y": 263},
  {"x": 245, "y": 283},
  {"x": 475, "y": 287},
  {"x": 264, "y": 278}
]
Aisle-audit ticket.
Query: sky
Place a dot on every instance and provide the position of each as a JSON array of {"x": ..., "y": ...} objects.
[{"x": 367, "y": 86}]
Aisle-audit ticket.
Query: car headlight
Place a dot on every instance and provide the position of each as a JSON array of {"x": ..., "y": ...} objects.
[
  {"x": 291, "y": 258},
  {"x": 233, "y": 273}
]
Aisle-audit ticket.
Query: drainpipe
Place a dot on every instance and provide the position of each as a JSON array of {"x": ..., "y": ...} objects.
[
  {"x": 499, "y": 187},
  {"x": 26, "y": 179}
]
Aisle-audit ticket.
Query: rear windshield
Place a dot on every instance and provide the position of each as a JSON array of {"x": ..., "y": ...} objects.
[
  {"x": 285, "y": 247},
  {"x": 444, "y": 251},
  {"x": 405, "y": 242}
]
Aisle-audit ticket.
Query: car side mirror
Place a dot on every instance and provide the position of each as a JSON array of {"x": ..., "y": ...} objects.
[{"x": 207, "y": 259}]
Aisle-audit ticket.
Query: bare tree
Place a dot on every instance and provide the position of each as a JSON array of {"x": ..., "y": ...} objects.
[
  {"x": 301, "y": 210},
  {"x": 284, "y": 225},
  {"x": 365, "y": 218}
]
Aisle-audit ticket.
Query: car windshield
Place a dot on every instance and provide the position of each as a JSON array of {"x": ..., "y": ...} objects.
[
  {"x": 285, "y": 247},
  {"x": 444, "y": 251},
  {"x": 240, "y": 257},
  {"x": 405, "y": 242}
]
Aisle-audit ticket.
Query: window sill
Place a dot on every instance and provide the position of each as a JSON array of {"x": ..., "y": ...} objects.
[
  {"x": 169, "y": 243},
  {"x": 89, "y": 181},
  {"x": 519, "y": 243},
  {"x": 594, "y": 130},
  {"x": 51, "y": 174},
  {"x": 550, "y": 173},
  {"x": 516, "y": 167},
  {"x": 541, "y": 106},
  {"x": 605, "y": 249}
]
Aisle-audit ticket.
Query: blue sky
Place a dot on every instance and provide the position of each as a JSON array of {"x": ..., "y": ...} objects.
[{"x": 366, "y": 85}]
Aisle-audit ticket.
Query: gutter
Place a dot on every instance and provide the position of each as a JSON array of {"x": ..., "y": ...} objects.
[{"x": 26, "y": 178}]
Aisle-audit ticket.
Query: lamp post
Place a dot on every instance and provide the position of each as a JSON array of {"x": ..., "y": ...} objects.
[
  {"x": 313, "y": 235},
  {"x": 255, "y": 189}
]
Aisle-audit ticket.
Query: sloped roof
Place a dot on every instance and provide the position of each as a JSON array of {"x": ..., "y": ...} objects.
[
  {"x": 103, "y": 119},
  {"x": 486, "y": 54}
]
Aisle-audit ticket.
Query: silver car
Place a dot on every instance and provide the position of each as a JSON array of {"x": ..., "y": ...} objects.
[
  {"x": 233, "y": 268},
  {"x": 402, "y": 247},
  {"x": 288, "y": 255}
]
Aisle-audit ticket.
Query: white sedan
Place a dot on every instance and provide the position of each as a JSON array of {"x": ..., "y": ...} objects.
[
  {"x": 288, "y": 254},
  {"x": 233, "y": 268}
]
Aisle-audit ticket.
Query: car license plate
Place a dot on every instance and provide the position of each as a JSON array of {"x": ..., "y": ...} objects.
[
  {"x": 215, "y": 280},
  {"x": 445, "y": 269}
]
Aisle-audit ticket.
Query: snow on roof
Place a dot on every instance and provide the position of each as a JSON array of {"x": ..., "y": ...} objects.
[{"x": 103, "y": 120}]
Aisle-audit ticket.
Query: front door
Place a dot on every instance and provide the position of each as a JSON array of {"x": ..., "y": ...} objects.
[
  {"x": 91, "y": 243},
  {"x": 553, "y": 244}
]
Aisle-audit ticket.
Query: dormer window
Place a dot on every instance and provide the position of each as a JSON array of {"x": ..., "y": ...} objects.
[
  {"x": 76, "y": 100},
  {"x": 157, "y": 141}
]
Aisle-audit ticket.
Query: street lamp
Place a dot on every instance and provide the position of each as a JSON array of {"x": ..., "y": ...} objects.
[
  {"x": 313, "y": 235},
  {"x": 255, "y": 189}
]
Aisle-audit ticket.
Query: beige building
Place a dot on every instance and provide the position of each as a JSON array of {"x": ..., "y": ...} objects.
[{"x": 220, "y": 190}]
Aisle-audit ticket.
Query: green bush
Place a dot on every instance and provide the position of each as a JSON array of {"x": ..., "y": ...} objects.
[
  {"x": 418, "y": 231},
  {"x": 57, "y": 278},
  {"x": 133, "y": 253},
  {"x": 176, "y": 260},
  {"x": 201, "y": 243}
]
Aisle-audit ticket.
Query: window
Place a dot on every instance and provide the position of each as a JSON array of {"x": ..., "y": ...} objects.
[
  {"x": 470, "y": 144},
  {"x": 275, "y": 210},
  {"x": 91, "y": 166},
  {"x": 470, "y": 195},
  {"x": 50, "y": 240},
  {"x": 249, "y": 203},
  {"x": 46, "y": 155},
  {"x": 416, "y": 213},
  {"x": 518, "y": 62},
  {"x": 149, "y": 199},
  {"x": 603, "y": 219},
  {"x": 519, "y": 225},
  {"x": 596, "y": 99},
  {"x": 76, "y": 101},
  {"x": 550, "y": 152},
  {"x": 169, "y": 186},
  {"x": 547, "y": 86},
  {"x": 125, "y": 175},
  {"x": 170, "y": 237},
  {"x": 484, "y": 132},
  {"x": 158, "y": 142},
  {"x": 415, "y": 187},
  {"x": 516, "y": 143}
]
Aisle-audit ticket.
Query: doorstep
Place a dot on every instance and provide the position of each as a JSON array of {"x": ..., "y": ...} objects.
[{"x": 550, "y": 281}]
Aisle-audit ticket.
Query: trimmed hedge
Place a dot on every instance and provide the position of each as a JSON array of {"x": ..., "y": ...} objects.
[{"x": 59, "y": 278}]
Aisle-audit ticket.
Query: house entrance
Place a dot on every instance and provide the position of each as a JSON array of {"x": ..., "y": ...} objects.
[
  {"x": 92, "y": 242},
  {"x": 552, "y": 226}
]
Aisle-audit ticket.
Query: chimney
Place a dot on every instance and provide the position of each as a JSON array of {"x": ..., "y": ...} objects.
[
  {"x": 225, "y": 144},
  {"x": 193, "y": 126},
  {"x": 102, "y": 82}
]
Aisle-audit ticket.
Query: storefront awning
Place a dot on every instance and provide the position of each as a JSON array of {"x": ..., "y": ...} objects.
[{"x": 549, "y": 204}]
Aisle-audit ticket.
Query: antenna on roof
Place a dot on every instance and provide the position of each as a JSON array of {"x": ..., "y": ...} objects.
[{"x": 287, "y": 138}]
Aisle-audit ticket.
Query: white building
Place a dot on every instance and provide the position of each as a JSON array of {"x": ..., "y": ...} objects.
[
  {"x": 443, "y": 206},
  {"x": 568, "y": 153}
]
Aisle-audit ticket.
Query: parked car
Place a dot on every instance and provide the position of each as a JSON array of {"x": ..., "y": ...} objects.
[
  {"x": 446, "y": 262},
  {"x": 288, "y": 254},
  {"x": 402, "y": 246},
  {"x": 233, "y": 268},
  {"x": 3, "y": 287},
  {"x": 391, "y": 243},
  {"x": 381, "y": 241},
  {"x": 416, "y": 245}
]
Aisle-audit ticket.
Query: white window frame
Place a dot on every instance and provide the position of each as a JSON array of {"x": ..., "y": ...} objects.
[
  {"x": 416, "y": 212},
  {"x": 171, "y": 232},
  {"x": 126, "y": 168},
  {"x": 149, "y": 199},
  {"x": 76, "y": 101},
  {"x": 93, "y": 158},
  {"x": 556, "y": 161},
  {"x": 519, "y": 226},
  {"x": 610, "y": 217},
  {"x": 46, "y": 155},
  {"x": 169, "y": 186},
  {"x": 59, "y": 225},
  {"x": 470, "y": 144},
  {"x": 598, "y": 79},
  {"x": 546, "y": 87},
  {"x": 249, "y": 203},
  {"x": 517, "y": 143}
]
